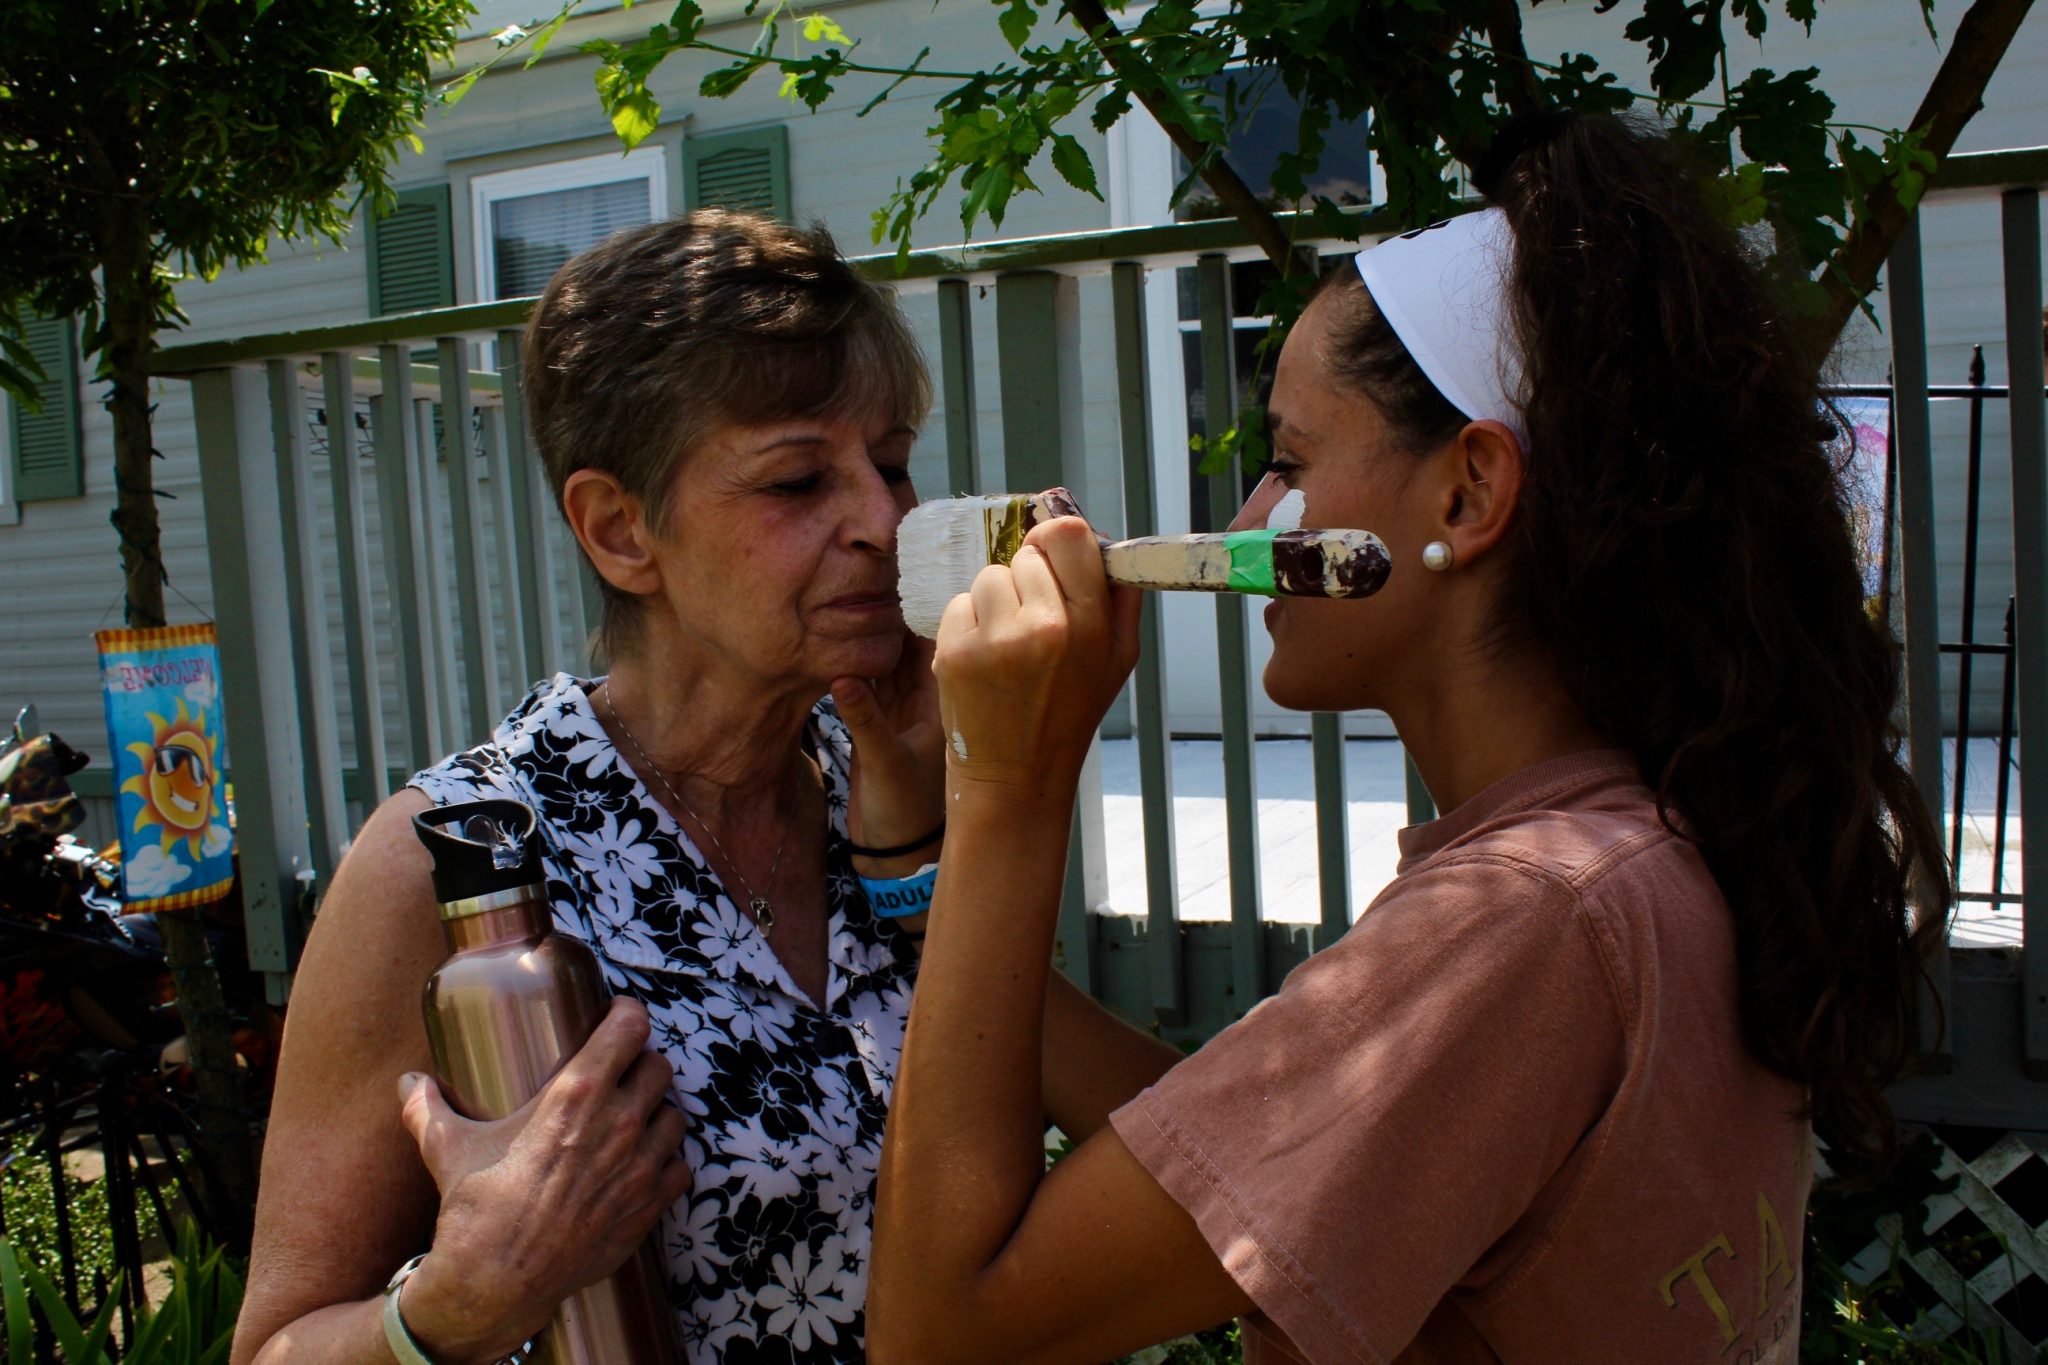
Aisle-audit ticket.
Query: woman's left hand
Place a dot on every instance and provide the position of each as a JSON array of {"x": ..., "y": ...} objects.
[{"x": 899, "y": 756}]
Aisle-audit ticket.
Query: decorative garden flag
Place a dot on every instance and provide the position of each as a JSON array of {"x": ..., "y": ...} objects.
[
  {"x": 164, "y": 729},
  {"x": 1863, "y": 453}
]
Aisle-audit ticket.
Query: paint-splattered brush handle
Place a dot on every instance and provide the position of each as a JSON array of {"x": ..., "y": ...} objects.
[{"x": 1323, "y": 563}]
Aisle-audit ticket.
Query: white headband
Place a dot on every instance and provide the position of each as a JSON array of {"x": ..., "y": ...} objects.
[{"x": 1443, "y": 290}]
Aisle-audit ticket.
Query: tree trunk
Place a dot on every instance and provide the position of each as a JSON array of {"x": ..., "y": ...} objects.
[
  {"x": 1956, "y": 93},
  {"x": 130, "y": 328},
  {"x": 128, "y": 262},
  {"x": 225, "y": 1139}
]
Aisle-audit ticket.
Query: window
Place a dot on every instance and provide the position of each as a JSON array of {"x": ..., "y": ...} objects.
[
  {"x": 1266, "y": 126},
  {"x": 42, "y": 452},
  {"x": 529, "y": 221}
]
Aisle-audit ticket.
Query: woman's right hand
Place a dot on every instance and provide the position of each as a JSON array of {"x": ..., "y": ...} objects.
[
  {"x": 545, "y": 1201},
  {"x": 1030, "y": 659}
]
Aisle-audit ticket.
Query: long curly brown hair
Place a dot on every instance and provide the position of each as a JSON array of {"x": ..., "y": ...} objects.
[{"x": 1701, "y": 590}]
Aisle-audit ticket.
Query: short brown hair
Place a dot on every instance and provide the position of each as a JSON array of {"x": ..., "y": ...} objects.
[{"x": 654, "y": 338}]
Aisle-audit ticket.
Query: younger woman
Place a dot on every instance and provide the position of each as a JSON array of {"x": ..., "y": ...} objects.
[{"x": 1550, "y": 1099}]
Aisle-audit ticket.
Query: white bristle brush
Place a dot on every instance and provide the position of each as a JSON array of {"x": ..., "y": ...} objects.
[{"x": 942, "y": 545}]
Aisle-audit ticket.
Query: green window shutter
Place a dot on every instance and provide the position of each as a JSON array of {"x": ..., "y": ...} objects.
[
  {"x": 49, "y": 452},
  {"x": 412, "y": 254},
  {"x": 744, "y": 170}
]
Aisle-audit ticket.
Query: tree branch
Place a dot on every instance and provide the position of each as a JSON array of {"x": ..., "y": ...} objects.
[
  {"x": 1231, "y": 191},
  {"x": 1521, "y": 90},
  {"x": 1953, "y": 97}
]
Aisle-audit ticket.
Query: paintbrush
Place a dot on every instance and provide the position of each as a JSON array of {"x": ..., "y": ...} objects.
[{"x": 942, "y": 545}]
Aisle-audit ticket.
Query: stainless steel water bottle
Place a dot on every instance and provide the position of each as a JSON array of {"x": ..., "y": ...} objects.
[{"x": 513, "y": 1002}]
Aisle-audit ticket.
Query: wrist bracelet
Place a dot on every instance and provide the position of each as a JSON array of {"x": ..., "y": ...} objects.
[
  {"x": 895, "y": 897},
  {"x": 400, "y": 1340},
  {"x": 898, "y": 850}
]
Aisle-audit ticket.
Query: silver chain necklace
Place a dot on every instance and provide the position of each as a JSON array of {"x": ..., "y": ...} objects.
[{"x": 757, "y": 906}]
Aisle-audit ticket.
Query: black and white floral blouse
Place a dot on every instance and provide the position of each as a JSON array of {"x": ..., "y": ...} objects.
[{"x": 767, "y": 1256}]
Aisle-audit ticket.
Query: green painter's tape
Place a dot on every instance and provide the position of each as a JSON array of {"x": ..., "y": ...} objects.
[{"x": 1251, "y": 561}]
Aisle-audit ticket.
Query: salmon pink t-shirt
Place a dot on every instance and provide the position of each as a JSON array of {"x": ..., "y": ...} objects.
[{"x": 1509, "y": 1116}]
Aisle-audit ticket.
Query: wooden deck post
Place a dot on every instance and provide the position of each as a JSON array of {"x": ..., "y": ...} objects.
[
  {"x": 246, "y": 555},
  {"x": 1038, "y": 343}
]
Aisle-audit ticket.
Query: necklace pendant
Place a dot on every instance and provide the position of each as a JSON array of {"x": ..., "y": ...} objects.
[{"x": 763, "y": 913}]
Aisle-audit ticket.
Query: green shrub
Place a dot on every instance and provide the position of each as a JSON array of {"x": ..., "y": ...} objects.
[
  {"x": 194, "y": 1325},
  {"x": 1848, "y": 1320},
  {"x": 29, "y": 1208}
]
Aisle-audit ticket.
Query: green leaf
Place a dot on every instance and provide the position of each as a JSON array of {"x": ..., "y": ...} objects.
[
  {"x": 538, "y": 45},
  {"x": 635, "y": 118},
  {"x": 820, "y": 27},
  {"x": 1110, "y": 108},
  {"x": 686, "y": 20},
  {"x": 154, "y": 1330},
  {"x": 452, "y": 93},
  {"x": 1684, "y": 42},
  {"x": 1737, "y": 196},
  {"x": 70, "y": 1333},
  {"x": 14, "y": 1302},
  {"x": 1216, "y": 454},
  {"x": 813, "y": 85},
  {"x": 1253, "y": 448},
  {"x": 102, "y": 1330},
  {"x": 1070, "y": 159},
  {"x": 1017, "y": 20},
  {"x": 727, "y": 80},
  {"x": 1754, "y": 16},
  {"x": 634, "y": 111},
  {"x": 988, "y": 191}
]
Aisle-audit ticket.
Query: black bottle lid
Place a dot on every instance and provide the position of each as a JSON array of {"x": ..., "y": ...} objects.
[{"x": 480, "y": 847}]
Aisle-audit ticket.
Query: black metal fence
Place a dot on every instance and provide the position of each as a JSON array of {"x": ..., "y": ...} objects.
[{"x": 114, "y": 1110}]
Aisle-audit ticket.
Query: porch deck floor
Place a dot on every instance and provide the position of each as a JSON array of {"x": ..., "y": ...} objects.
[{"x": 1377, "y": 809}]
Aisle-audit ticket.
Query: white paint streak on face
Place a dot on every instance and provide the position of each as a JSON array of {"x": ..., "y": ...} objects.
[
  {"x": 960, "y": 746},
  {"x": 1287, "y": 513}
]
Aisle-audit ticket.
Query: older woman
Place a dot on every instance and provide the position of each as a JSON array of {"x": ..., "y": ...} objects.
[{"x": 725, "y": 410}]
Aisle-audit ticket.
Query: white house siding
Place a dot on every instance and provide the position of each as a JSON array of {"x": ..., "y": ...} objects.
[{"x": 59, "y": 565}]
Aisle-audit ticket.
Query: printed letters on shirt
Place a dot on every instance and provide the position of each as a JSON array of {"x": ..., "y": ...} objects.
[{"x": 1774, "y": 1273}]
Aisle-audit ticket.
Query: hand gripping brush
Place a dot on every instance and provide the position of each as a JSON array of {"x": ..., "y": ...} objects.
[{"x": 942, "y": 545}]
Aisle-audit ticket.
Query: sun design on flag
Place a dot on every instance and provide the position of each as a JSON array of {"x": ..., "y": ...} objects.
[{"x": 176, "y": 781}]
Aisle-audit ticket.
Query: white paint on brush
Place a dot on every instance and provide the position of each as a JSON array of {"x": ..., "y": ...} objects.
[
  {"x": 940, "y": 547},
  {"x": 1287, "y": 513},
  {"x": 1200, "y": 563}
]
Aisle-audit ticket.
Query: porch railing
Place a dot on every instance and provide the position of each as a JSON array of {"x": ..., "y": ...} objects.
[{"x": 456, "y": 621}]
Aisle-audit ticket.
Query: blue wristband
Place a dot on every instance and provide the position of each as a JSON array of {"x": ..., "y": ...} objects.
[{"x": 893, "y": 898}]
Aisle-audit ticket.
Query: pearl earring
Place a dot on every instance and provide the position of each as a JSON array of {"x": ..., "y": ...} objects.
[{"x": 1436, "y": 556}]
